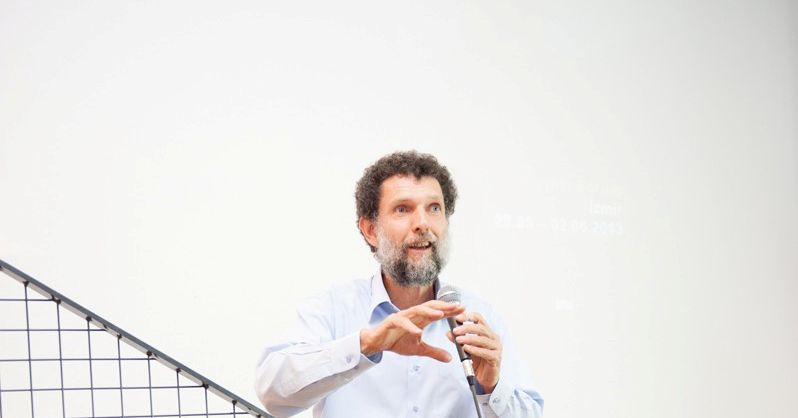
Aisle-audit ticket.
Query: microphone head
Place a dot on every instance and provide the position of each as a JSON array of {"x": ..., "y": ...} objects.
[{"x": 448, "y": 293}]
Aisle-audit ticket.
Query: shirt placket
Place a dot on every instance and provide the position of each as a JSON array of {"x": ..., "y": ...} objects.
[{"x": 415, "y": 379}]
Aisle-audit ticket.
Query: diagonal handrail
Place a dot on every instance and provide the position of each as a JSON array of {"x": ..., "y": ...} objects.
[{"x": 131, "y": 340}]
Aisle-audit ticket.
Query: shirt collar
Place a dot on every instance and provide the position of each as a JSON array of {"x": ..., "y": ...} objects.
[
  {"x": 379, "y": 296},
  {"x": 378, "y": 293}
]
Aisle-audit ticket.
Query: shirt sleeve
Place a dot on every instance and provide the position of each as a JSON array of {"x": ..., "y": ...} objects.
[
  {"x": 515, "y": 395},
  {"x": 509, "y": 402},
  {"x": 293, "y": 376}
]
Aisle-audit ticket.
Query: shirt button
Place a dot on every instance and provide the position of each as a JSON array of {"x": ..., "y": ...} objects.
[
  {"x": 415, "y": 409},
  {"x": 416, "y": 368},
  {"x": 349, "y": 358}
]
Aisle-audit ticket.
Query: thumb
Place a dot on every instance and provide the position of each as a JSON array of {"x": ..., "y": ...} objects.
[{"x": 434, "y": 352}]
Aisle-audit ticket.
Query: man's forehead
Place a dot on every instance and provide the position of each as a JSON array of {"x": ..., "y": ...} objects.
[{"x": 408, "y": 186}]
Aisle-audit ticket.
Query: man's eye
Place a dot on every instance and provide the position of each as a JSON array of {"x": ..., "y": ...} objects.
[
  {"x": 401, "y": 209},
  {"x": 436, "y": 208}
]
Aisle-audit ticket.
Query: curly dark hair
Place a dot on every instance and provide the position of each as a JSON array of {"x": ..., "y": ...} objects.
[{"x": 368, "y": 190}]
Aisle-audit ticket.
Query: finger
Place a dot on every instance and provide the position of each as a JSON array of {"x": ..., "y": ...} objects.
[
  {"x": 479, "y": 329},
  {"x": 471, "y": 316},
  {"x": 425, "y": 312},
  {"x": 450, "y": 336},
  {"x": 469, "y": 328},
  {"x": 449, "y": 309},
  {"x": 407, "y": 325},
  {"x": 492, "y": 356},
  {"x": 465, "y": 318},
  {"x": 438, "y": 304},
  {"x": 434, "y": 352},
  {"x": 478, "y": 341},
  {"x": 478, "y": 318},
  {"x": 454, "y": 312}
]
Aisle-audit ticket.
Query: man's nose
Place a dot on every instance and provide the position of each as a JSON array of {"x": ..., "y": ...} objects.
[{"x": 420, "y": 222}]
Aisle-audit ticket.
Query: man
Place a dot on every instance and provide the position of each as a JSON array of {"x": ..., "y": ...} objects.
[{"x": 382, "y": 347}]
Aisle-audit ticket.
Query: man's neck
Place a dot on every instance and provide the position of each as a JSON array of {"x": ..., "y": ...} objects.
[{"x": 404, "y": 297}]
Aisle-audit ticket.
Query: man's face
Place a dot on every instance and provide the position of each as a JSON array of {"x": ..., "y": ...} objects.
[{"x": 411, "y": 230}]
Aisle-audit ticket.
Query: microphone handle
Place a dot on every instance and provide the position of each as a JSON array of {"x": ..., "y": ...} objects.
[
  {"x": 468, "y": 367},
  {"x": 463, "y": 355},
  {"x": 465, "y": 358}
]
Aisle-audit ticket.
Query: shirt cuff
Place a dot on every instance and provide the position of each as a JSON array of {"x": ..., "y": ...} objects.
[
  {"x": 500, "y": 398},
  {"x": 346, "y": 355}
]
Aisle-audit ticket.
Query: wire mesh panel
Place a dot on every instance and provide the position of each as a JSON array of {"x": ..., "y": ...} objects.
[{"x": 58, "y": 359}]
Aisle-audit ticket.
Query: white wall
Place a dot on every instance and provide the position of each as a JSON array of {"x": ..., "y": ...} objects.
[{"x": 628, "y": 177}]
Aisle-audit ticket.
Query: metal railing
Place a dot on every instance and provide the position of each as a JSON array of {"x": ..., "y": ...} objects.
[{"x": 58, "y": 359}]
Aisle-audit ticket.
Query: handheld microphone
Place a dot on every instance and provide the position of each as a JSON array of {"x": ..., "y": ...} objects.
[{"x": 450, "y": 294}]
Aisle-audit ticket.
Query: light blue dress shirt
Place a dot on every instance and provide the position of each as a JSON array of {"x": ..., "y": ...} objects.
[{"x": 320, "y": 364}]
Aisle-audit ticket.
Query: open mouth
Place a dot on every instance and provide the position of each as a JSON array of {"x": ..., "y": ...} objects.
[{"x": 418, "y": 246}]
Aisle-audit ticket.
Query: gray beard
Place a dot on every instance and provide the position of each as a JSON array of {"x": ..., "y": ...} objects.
[{"x": 396, "y": 263}]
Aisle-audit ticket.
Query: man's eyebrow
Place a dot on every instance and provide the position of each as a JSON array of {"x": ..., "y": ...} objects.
[{"x": 402, "y": 199}]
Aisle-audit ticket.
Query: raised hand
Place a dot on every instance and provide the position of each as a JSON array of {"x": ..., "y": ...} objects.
[
  {"x": 483, "y": 345},
  {"x": 401, "y": 332}
]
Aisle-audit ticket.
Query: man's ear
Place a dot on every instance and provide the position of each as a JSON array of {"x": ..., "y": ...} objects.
[{"x": 369, "y": 230}]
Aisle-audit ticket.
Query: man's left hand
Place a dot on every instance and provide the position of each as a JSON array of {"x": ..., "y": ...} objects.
[{"x": 483, "y": 345}]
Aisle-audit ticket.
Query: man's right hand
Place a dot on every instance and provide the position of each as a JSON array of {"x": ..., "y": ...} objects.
[{"x": 401, "y": 332}]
